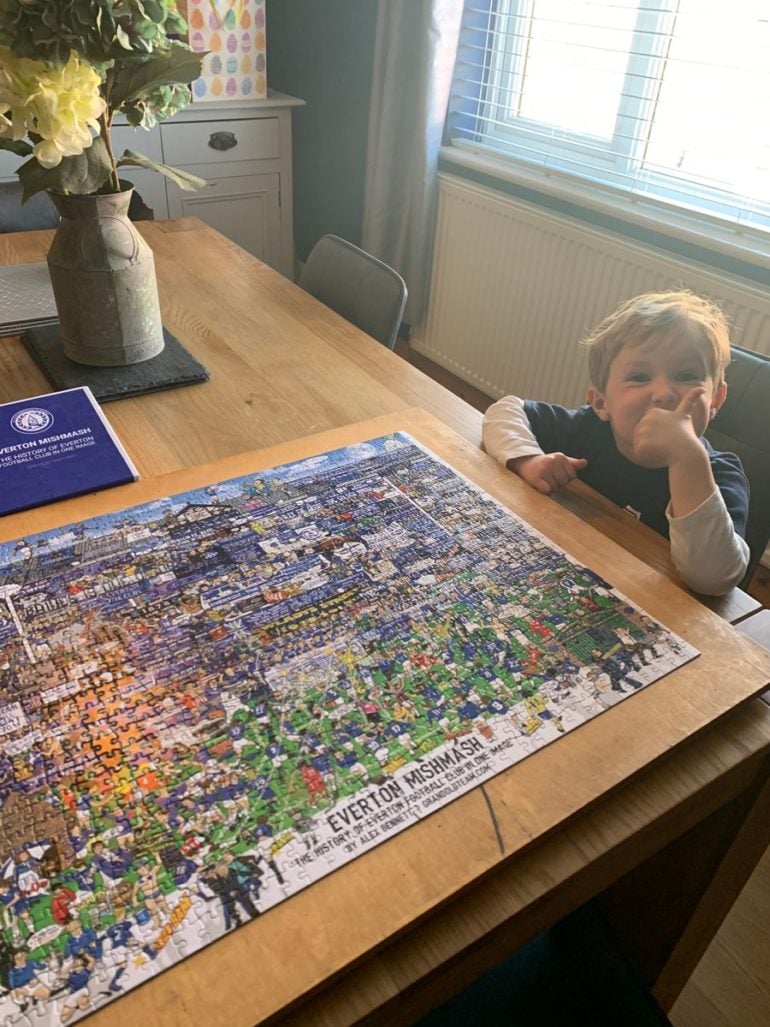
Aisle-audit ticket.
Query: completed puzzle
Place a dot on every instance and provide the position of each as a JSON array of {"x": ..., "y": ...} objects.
[{"x": 210, "y": 701}]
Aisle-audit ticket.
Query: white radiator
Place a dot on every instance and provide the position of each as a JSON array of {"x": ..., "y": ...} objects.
[{"x": 514, "y": 288}]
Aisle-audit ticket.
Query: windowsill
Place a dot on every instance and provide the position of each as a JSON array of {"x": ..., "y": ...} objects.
[{"x": 746, "y": 245}]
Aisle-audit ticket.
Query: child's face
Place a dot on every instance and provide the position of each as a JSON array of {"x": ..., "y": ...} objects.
[{"x": 658, "y": 372}]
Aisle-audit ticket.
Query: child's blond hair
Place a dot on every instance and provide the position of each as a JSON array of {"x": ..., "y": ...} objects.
[{"x": 658, "y": 314}]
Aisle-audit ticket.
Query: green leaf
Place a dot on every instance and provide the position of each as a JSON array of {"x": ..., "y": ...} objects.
[
  {"x": 80, "y": 175},
  {"x": 175, "y": 24},
  {"x": 134, "y": 117},
  {"x": 17, "y": 146},
  {"x": 154, "y": 11},
  {"x": 135, "y": 79},
  {"x": 183, "y": 179}
]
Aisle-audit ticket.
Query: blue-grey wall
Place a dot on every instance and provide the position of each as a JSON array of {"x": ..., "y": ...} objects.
[{"x": 322, "y": 52}]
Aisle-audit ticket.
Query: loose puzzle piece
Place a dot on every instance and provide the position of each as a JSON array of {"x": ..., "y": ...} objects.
[{"x": 210, "y": 701}]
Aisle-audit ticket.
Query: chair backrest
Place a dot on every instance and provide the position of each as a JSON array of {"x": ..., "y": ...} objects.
[
  {"x": 741, "y": 427},
  {"x": 38, "y": 212},
  {"x": 361, "y": 288},
  {"x": 137, "y": 208}
]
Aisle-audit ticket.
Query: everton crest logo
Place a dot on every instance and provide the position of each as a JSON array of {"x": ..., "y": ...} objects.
[{"x": 31, "y": 420}]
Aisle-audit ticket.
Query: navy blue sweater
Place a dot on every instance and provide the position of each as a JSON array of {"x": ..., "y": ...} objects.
[{"x": 580, "y": 433}]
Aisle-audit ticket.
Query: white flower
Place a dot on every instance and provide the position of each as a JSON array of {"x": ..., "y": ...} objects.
[{"x": 59, "y": 103}]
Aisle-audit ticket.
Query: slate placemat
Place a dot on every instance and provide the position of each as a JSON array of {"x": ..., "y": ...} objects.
[{"x": 173, "y": 367}]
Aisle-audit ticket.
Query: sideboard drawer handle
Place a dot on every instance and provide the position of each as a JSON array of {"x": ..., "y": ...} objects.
[{"x": 222, "y": 140}]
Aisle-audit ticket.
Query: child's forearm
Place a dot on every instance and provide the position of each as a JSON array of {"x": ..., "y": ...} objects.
[
  {"x": 706, "y": 550},
  {"x": 509, "y": 438},
  {"x": 690, "y": 480},
  {"x": 507, "y": 433}
]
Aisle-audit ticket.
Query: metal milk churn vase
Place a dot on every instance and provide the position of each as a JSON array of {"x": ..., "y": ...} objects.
[{"x": 103, "y": 277}]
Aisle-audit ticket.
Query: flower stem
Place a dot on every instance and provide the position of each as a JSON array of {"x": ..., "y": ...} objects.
[
  {"x": 105, "y": 123},
  {"x": 104, "y": 126}
]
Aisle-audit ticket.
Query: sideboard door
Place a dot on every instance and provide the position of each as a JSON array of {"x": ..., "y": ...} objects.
[{"x": 245, "y": 208}]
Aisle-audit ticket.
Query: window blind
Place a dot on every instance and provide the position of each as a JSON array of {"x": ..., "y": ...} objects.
[{"x": 664, "y": 99}]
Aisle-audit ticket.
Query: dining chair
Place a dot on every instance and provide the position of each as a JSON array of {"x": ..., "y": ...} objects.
[
  {"x": 38, "y": 212},
  {"x": 361, "y": 288},
  {"x": 741, "y": 427},
  {"x": 137, "y": 208}
]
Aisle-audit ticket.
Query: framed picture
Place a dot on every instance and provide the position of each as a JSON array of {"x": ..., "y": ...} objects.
[{"x": 234, "y": 33}]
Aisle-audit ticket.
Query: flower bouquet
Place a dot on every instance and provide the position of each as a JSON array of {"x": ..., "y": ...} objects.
[{"x": 67, "y": 67}]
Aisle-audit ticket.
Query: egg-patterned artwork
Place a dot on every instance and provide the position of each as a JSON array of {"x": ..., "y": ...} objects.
[{"x": 234, "y": 32}]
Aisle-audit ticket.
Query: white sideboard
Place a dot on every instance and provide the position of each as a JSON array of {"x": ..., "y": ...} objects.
[{"x": 242, "y": 148}]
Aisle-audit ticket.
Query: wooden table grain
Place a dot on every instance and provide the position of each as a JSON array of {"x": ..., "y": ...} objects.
[{"x": 659, "y": 806}]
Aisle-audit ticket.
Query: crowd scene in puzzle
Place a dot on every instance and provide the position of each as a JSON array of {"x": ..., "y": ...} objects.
[{"x": 185, "y": 688}]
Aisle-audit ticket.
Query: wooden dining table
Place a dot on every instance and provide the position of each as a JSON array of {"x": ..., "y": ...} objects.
[{"x": 659, "y": 808}]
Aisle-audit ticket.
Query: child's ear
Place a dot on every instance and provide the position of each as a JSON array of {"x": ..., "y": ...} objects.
[
  {"x": 596, "y": 398},
  {"x": 720, "y": 395}
]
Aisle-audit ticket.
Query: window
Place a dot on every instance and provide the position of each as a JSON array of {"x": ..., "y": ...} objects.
[{"x": 662, "y": 99}]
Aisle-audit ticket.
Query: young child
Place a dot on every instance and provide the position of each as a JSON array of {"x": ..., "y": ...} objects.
[{"x": 656, "y": 368}]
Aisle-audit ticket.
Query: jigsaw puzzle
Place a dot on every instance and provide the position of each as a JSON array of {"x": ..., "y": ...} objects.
[{"x": 209, "y": 701}]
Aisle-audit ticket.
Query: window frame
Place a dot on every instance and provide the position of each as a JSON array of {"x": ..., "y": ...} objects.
[{"x": 616, "y": 165}]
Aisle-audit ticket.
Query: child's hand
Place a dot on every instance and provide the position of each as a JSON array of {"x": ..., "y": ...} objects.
[
  {"x": 547, "y": 472},
  {"x": 663, "y": 437}
]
